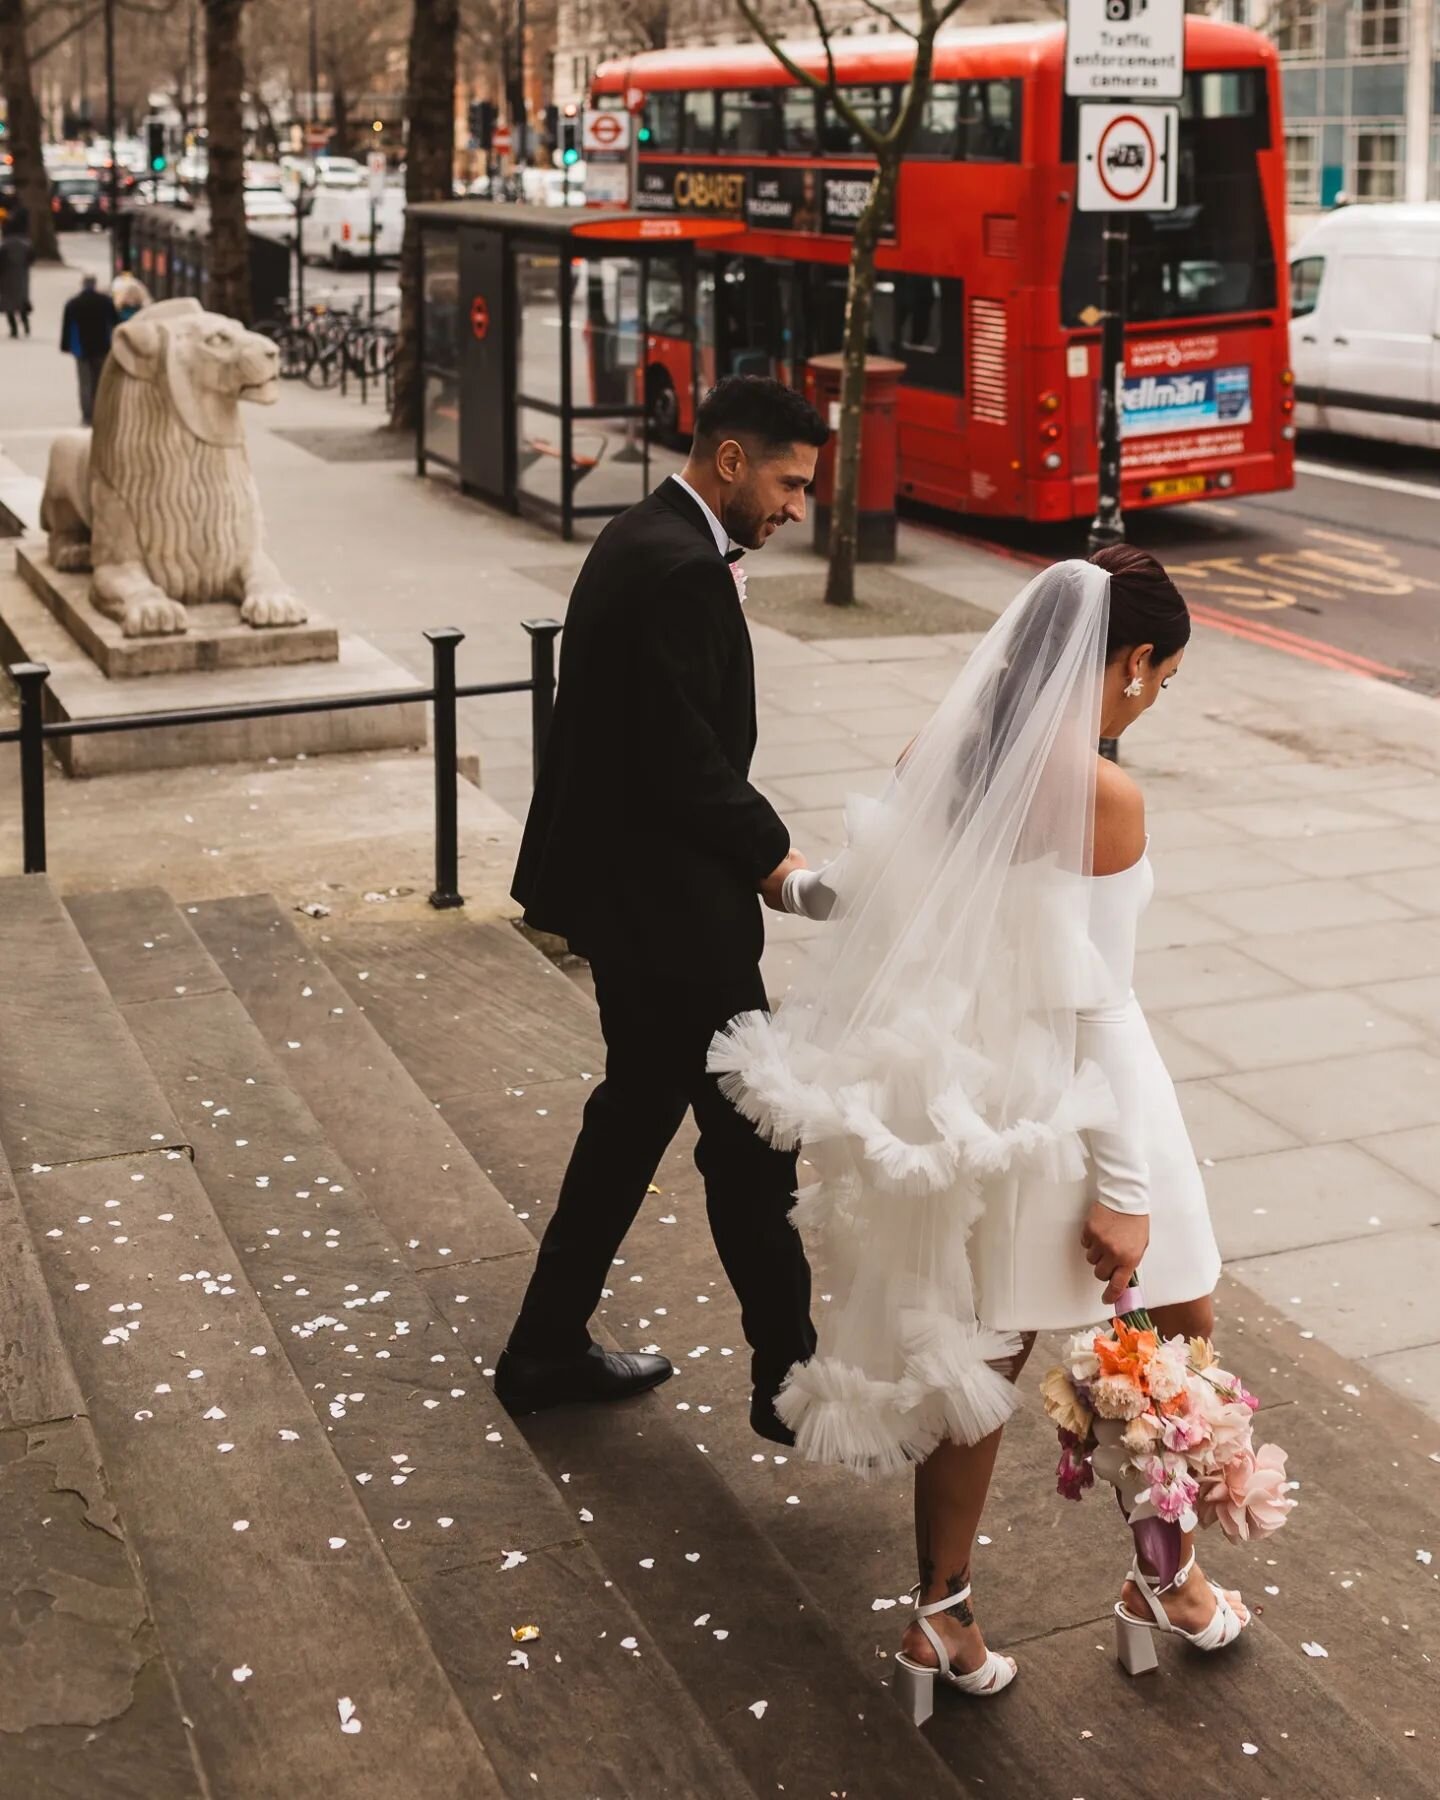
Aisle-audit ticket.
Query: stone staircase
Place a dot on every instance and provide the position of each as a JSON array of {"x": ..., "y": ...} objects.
[{"x": 265, "y": 1532}]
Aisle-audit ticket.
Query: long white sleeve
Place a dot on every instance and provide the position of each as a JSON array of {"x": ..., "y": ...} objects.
[
  {"x": 811, "y": 893},
  {"x": 1113, "y": 1037}
]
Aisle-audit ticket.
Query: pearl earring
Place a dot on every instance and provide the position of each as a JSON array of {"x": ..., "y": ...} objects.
[{"x": 1135, "y": 689}]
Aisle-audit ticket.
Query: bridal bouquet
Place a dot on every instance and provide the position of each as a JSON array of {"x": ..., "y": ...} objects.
[{"x": 1168, "y": 1427}]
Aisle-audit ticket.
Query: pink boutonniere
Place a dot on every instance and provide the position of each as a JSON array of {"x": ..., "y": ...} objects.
[{"x": 737, "y": 571}]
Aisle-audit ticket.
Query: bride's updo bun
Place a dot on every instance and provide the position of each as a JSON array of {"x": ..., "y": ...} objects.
[{"x": 1146, "y": 607}]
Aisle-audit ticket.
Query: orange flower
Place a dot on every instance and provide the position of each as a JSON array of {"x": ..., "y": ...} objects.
[{"x": 1128, "y": 1353}]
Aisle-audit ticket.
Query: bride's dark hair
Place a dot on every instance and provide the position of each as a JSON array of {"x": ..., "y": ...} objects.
[{"x": 1146, "y": 607}]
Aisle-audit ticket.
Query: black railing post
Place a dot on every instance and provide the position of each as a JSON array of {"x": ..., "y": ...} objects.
[
  {"x": 30, "y": 678},
  {"x": 444, "y": 641},
  {"x": 543, "y": 633}
]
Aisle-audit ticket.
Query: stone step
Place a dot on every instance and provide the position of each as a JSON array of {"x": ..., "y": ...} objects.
[
  {"x": 88, "y": 1703},
  {"x": 200, "y": 1424},
  {"x": 501, "y": 1044},
  {"x": 481, "y": 1541},
  {"x": 650, "y": 1493}
]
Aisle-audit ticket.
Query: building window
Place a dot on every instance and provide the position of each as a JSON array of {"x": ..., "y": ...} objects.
[
  {"x": 1302, "y": 167},
  {"x": 1299, "y": 29},
  {"x": 1376, "y": 163},
  {"x": 1377, "y": 27}
]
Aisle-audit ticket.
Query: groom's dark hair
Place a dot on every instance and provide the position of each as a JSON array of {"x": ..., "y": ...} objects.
[{"x": 758, "y": 410}]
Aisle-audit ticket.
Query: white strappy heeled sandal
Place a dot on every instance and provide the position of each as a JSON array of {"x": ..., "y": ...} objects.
[
  {"x": 915, "y": 1684},
  {"x": 1134, "y": 1640}
]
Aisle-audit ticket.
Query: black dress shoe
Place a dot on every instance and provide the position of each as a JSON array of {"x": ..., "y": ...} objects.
[
  {"x": 529, "y": 1384},
  {"x": 766, "y": 1422}
]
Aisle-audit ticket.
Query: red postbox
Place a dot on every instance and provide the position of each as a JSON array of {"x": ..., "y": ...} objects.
[{"x": 879, "y": 451}]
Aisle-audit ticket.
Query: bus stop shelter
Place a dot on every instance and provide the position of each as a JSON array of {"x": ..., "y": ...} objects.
[{"x": 533, "y": 331}]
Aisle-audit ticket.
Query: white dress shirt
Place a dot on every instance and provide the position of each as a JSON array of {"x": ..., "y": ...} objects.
[{"x": 717, "y": 530}]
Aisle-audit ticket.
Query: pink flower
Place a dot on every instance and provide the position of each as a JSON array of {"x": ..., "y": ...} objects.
[
  {"x": 1184, "y": 1432},
  {"x": 1229, "y": 1429},
  {"x": 1246, "y": 1497},
  {"x": 1073, "y": 1474},
  {"x": 1165, "y": 1371},
  {"x": 1142, "y": 1434},
  {"x": 1172, "y": 1487}
]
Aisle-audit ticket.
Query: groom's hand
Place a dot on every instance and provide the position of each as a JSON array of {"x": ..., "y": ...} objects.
[
  {"x": 770, "y": 887},
  {"x": 1114, "y": 1243}
]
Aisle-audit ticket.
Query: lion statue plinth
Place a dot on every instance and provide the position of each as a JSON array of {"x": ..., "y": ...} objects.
[{"x": 158, "y": 500}]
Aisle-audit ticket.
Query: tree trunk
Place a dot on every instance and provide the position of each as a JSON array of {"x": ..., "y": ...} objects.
[
  {"x": 225, "y": 173},
  {"x": 859, "y": 305},
  {"x": 339, "y": 118},
  {"x": 25, "y": 137},
  {"x": 429, "y": 175}
]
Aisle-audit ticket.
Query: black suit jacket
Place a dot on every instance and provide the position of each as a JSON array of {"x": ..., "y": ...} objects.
[
  {"x": 645, "y": 840},
  {"x": 93, "y": 317}
]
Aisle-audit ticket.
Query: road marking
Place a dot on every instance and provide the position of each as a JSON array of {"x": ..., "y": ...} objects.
[
  {"x": 1388, "y": 482},
  {"x": 1308, "y": 649},
  {"x": 1213, "y": 506}
]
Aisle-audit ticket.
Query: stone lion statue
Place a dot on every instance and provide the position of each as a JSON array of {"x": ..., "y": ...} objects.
[{"x": 158, "y": 500}]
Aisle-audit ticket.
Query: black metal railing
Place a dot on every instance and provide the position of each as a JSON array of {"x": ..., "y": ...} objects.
[{"x": 34, "y": 730}]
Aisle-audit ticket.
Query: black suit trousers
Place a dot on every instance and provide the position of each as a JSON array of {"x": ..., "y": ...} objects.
[{"x": 657, "y": 1035}]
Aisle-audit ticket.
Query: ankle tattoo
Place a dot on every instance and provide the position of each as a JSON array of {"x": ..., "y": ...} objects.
[{"x": 955, "y": 1584}]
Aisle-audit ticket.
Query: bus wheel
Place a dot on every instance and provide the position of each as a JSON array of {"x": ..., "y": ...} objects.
[{"x": 662, "y": 407}]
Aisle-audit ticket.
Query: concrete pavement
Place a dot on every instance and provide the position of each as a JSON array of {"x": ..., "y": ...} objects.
[{"x": 1290, "y": 963}]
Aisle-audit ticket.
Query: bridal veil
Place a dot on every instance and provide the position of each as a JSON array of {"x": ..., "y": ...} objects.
[{"x": 929, "y": 1051}]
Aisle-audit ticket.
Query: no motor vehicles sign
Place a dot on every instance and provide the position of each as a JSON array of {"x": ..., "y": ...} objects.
[{"x": 1127, "y": 158}]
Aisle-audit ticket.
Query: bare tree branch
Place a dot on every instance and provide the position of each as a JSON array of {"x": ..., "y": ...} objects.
[
  {"x": 77, "y": 24},
  {"x": 884, "y": 12}
]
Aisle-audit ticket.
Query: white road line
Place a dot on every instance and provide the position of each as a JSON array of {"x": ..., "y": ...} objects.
[{"x": 1388, "y": 482}]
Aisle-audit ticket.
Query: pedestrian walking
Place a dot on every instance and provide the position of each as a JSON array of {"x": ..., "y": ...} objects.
[
  {"x": 16, "y": 256},
  {"x": 130, "y": 295},
  {"x": 86, "y": 328},
  {"x": 648, "y": 849}
]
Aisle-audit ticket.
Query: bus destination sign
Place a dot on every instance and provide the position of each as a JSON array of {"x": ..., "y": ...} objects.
[
  {"x": 1124, "y": 49},
  {"x": 763, "y": 197}
]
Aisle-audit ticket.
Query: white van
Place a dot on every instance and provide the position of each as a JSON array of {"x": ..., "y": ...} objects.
[
  {"x": 337, "y": 227},
  {"x": 1365, "y": 323}
]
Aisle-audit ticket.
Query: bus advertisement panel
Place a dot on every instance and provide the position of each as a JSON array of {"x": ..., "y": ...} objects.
[{"x": 988, "y": 286}]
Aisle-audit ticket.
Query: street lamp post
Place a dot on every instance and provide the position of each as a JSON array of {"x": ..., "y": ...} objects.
[
  {"x": 114, "y": 179},
  {"x": 1108, "y": 525}
]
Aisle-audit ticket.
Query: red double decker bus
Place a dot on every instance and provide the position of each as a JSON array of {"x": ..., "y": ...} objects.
[{"x": 989, "y": 277}]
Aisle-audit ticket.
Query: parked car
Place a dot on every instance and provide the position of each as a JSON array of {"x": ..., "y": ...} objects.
[
  {"x": 78, "y": 202},
  {"x": 1365, "y": 323},
  {"x": 337, "y": 227},
  {"x": 269, "y": 214}
]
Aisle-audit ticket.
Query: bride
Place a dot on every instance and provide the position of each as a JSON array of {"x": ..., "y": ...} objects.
[{"x": 995, "y": 1141}]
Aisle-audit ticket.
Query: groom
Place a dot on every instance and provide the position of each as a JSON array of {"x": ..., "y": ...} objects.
[{"x": 646, "y": 847}]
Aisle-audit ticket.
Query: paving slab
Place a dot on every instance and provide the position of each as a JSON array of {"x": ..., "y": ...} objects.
[
  {"x": 1346, "y": 1096},
  {"x": 1294, "y": 1028},
  {"x": 1315, "y": 905},
  {"x": 1220, "y": 1125},
  {"x": 1415, "y": 1153},
  {"x": 1314, "y": 1194},
  {"x": 1357, "y": 852},
  {"x": 1417, "y": 999},
  {"x": 1352, "y": 1294},
  {"x": 1353, "y": 955},
  {"x": 1413, "y": 1373},
  {"x": 1419, "y": 889},
  {"x": 1166, "y": 980},
  {"x": 1221, "y": 867}
]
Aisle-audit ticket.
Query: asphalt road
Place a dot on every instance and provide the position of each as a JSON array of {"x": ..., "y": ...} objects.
[{"x": 1344, "y": 569}]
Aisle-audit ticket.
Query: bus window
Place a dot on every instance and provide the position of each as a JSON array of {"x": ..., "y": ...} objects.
[
  {"x": 699, "y": 124},
  {"x": 799, "y": 121},
  {"x": 748, "y": 125},
  {"x": 875, "y": 105},
  {"x": 662, "y": 121},
  {"x": 665, "y": 298},
  {"x": 990, "y": 121},
  {"x": 938, "y": 132},
  {"x": 919, "y": 320},
  {"x": 1214, "y": 253},
  {"x": 1305, "y": 285}
]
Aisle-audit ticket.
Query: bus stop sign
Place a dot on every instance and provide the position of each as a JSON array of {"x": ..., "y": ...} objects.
[
  {"x": 1127, "y": 158},
  {"x": 1124, "y": 49}
]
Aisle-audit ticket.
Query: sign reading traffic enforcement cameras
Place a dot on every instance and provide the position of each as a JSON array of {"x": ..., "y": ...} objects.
[
  {"x": 1128, "y": 158},
  {"x": 1124, "y": 49}
]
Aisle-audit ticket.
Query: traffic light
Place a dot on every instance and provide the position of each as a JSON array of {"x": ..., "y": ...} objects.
[
  {"x": 570, "y": 135},
  {"x": 482, "y": 123},
  {"x": 155, "y": 154}
]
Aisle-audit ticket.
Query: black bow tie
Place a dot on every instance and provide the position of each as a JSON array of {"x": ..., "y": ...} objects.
[{"x": 733, "y": 556}]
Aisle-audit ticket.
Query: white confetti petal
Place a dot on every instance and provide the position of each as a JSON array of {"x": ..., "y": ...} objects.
[
  {"x": 627, "y": 1643},
  {"x": 349, "y": 1723},
  {"x": 513, "y": 1559},
  {"x": 1251, "y": 1749},
  {"x": 1314, "y": 1649},
  {"x": 338, "y": 1543},
  {"x": 758, "y": 1708},
  {"x": 243, "y": 1673}
]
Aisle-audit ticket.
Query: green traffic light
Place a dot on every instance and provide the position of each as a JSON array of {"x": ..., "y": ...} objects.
[
  {"x": 157, "y": 165},
  {"x": 571, "y": 156},
  {"x": 645, "y": 134}
]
